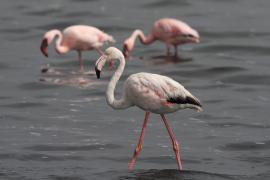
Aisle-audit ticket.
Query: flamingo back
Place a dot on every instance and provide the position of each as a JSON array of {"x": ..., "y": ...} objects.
[
  {"x": 158, "y": 94},
  {"x": 82, "y": 37}
]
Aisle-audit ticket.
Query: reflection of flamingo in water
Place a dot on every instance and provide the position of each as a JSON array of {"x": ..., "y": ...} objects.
[
  {"x": 150, "y": 92},
  {"x": 170, "y": 31},
  {"x": 77, "y": 37}
]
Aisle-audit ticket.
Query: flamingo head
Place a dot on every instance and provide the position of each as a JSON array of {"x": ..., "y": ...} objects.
[
  {"x": 47, "y": 39},
  {"x": 191, "y": 36},
  {"x": 127, "y": 47},
  {"x": 110, "y": 54}
]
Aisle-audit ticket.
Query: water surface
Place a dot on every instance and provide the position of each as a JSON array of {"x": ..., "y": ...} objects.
[{"x": 57, "y": 125}]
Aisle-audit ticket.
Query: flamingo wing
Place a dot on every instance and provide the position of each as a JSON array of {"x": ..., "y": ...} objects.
[
  {"x": 167, "y": 28},
  {"x": 164, "y": 88}
]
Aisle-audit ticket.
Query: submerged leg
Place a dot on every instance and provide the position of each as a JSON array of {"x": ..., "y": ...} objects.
[
  {"x": 174, "y": 142},
  {"x": 175, "y": 51},
  {"x": 168, "y": 49},
  {"x": 140, "y": 143},
  {"x": 80, "y": 60}
]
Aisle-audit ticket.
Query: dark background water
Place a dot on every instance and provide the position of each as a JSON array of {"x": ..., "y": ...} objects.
[{"x": 52, "y": 127}]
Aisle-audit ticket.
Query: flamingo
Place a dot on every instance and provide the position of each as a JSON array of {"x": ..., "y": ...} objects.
[
  {"x": 76, "y": 37},
  {"x": 172, "y": 32},
  {"x": 152, "y": 93}
]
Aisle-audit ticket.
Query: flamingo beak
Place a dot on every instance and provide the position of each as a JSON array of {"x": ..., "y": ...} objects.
[
  {"x": 44, "y": 47},
  {"x": 97, "y": 72},
  {"x": 99, "y": 65},
  {"x": 125, "y": 51}
]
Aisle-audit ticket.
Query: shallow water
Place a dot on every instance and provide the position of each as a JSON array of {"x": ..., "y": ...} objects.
[{"x": 57, "y": 125}]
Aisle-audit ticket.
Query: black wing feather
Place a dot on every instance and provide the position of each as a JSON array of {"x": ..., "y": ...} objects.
[{"x": 182, "y": 100}]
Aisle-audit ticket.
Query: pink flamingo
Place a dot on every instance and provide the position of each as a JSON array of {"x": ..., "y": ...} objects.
[
  {"x": 170, "y": 31},
  {"x": 150, "y": 92},
  {"x": 77, "y": 37}
]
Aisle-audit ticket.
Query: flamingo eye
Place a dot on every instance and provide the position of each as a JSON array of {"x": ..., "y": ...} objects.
[{"x": 188, "y": 35}]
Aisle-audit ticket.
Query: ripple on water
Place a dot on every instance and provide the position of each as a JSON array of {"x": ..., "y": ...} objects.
[
  {"x": 168, "y": 174},
  {"x": 36, "y": 86},
  {"x": 76, "y": 1},
  {"x": 208, "y": 72},
  {"x": 45, "y": 12},
  {"x": 166, "y": 3},
  {"x": 166, "y": 160},
  {"x": 72, "y": 147},
  {"x": 205, "y": 116},
  {"x": 38, "y": 157},
  {"x": 81, "y": 14},
  {"x": 215, "y": 48},
  {"x": 15, "y": 31},
  {"x": 247, "y": 146},
  {"x": 57, "y": 25},
  {"x": 57, "y": 177},
  {"x": 249, "y": 79},
  {"x": 242, "y": 125},
  {"x": 21, "y": 105},
  {"x": 232, "y": 34},
  {"x": 9, "y": 117},
  {"x": 4, "y": 66},
  {"x": 255, "y": 159},
  {"x": 115, "y": 28}
]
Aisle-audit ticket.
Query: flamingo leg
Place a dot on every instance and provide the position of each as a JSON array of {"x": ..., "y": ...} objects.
[
  {"x": 140, "y": 143},
  {"x": 80, "y": 60},
  {"x": 175, "y": 51},
  {"x": 174, "y": 142},
  {"x": 168, "y": 49}
]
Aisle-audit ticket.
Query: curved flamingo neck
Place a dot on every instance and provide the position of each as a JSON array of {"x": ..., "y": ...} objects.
[
  {"x": 60, "y": 48},
  {"x": 143, "y": 39},
  {"x": 121, "y": 103}
]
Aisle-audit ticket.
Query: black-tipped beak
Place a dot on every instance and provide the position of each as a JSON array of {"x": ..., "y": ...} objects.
[
  {"x": 97, "y": 72},
  {"x": 44, "y": 47},
  {"x": 99, "y": 65},
  {"x": 125, "y": 51}
]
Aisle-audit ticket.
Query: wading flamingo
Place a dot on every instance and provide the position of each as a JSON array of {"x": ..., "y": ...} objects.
[
  {"x": 150, "y": 92},
  {"x": 172, "y": 32},
  {"x": 76, "y": 37}
]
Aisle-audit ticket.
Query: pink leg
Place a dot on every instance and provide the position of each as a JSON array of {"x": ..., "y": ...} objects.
[
  {"x": 168, "y": 49},
  {"x": 140, "y": 143},
  {"x": 175, "y": 51},
  {"x": 80, "y": 60},
  {"x": 174, "y": 142}
]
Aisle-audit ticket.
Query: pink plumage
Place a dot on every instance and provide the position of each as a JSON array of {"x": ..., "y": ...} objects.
[
  {"x": 150, "y": 92},
  {"x": 76, "y": 37},
  {"x": 172, "y": 32}
]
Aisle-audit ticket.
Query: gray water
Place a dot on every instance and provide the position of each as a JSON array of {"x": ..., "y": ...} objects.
[{"x": 57, "y": 125}]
